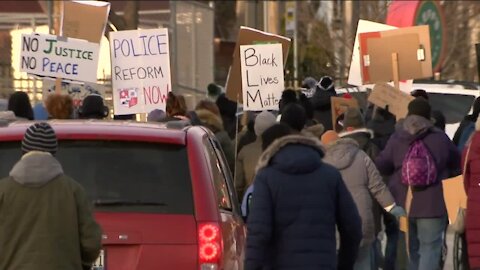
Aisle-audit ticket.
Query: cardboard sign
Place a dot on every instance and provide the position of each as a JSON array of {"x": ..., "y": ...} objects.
[
  {"x": 51, "y": 56},
  {"x": 455, "y": 196},
  {"x": 340, "y": 105},
  {"x": 140, "y": 70},
  {"x": 84, "y": 19},
  {"x": 355, "y": 75},
  {"x": 76, "y": 91},
  {"x": 412, "y": 45},
  {"x": 376, "y": 57},
  {"x": 249, "y": 36},
  {"x": 386, "y": 95},
  {"x": 262, "y": 76}
]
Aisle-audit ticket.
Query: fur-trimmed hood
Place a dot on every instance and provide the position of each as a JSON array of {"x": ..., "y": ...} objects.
[
  {"x": 366, "y": 131},
  {"x": 210, "y": 120},
  {"x": 293, "y": 154}
]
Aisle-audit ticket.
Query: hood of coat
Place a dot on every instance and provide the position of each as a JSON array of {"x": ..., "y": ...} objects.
[
  {"x": 36, "y": 169},
  {"x": 414, "y": 127},
  {"x": 341, "y": 153},
  {"x": 210, "y": 120},
  {"x": 293, "y": 154},
  {"x": 362, "y": 136},
  {"x": 321, "y": 100}
]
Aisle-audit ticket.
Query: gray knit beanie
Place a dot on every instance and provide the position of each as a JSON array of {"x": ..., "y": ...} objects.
[
  {"x": 40, "y": 137},
  {"x": 263, "y": 121}
]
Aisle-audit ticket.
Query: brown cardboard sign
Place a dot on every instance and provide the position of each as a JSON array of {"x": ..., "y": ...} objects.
[
  {"x": 340, "y": 105},
  {"x": 455, "y": 196},
  {"x": 249, "y": 36},
  {"x": 423, "y": 33},
  {"x": 85, "y": 20},
  {"x": 386, "y": 95},
  {"x": 376, "y": 57}
]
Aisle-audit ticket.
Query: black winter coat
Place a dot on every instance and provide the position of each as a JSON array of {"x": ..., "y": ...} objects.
[{"x": 297, "y": 202}]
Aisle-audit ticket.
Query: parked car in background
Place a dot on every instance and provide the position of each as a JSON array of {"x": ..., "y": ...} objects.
[
  {"x": 163, "y": 196},
  {"x": 454, "y": 99}
]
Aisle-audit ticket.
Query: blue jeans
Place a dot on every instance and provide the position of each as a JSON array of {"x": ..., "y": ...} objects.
[{"x": 425, "y": 238}]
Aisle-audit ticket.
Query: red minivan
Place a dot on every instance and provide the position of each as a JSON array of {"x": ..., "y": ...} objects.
[{"x": 163, "y": 196}]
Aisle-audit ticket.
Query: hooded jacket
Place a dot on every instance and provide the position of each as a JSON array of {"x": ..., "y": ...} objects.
[
  {"x": 472, "y": 188},
  {"x": 362, "y": 180},
  {"x": 322, "y": 107},
  {"x": 364, "y": 138},
  {"x": 297, "y": 202},
  {"x": 215, "y": 124},
  {"x": 383, "y": 126},
  {"x": 46, "y": 220},
  {"x": 427, "y": 202}
]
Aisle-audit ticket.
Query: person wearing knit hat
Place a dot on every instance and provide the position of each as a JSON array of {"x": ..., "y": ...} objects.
[
  {"x": 93, "y": 108},
  {"x": 329, "y": 137},
  {"x": 43, "y": 199},
  {"x": 294, "y": 116},
  {"x": 40, "y": 137},
  {"x": 354, "y": 128},
  {"x": 366, "y": 186},
  {"x": 156, "y": 115},
  {"x": 420, "y": 107},
  {"x": 248, "y": 157},
  {"x": 428, "y": 216}
]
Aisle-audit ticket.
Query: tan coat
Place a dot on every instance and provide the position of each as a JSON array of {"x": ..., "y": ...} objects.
[{"x": 247, "y": 160}]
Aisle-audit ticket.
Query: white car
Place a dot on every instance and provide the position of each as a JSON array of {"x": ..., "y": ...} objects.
[{"x": 454, "y": 99}]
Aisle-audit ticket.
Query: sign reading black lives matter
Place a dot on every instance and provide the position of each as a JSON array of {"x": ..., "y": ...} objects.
[
  {"x": 140, "y": 70},
  {"x": 262, "y": 76},
  {"x": 67, "y": 58}
]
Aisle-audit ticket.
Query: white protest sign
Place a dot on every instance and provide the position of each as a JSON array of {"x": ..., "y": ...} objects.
[
  {"x": 52, "y": 56},
  {"x": 355, "y": 75},
  {"x": 76, "y": 91},
  {"x": 262, "y": 76},
  {"x": 140, "y": 70}
]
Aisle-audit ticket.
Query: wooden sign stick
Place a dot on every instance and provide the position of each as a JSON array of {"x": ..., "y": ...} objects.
[{"x": 395, "y": 70}]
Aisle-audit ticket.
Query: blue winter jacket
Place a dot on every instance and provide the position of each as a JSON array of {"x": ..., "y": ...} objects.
[{"x": 297, "y": 202}]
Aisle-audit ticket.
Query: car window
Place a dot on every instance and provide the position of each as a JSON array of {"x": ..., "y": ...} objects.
[
  {"x": 453, "y": 106},
  {"x": 219, "y": 181},
  {"x": 123, "y": 176}
]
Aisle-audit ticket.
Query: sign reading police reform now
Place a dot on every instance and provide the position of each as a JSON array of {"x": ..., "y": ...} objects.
[
  {"x": 262, "y": 76},
  {"x": 47, "y": 55},
  {"x": 140, "y": 70}
]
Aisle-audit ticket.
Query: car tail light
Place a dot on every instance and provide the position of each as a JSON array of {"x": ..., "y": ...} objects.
[{"x": 210, "y": 246}]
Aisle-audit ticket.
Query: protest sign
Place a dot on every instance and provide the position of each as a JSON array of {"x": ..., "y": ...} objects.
[
  {"x": 76, "y": 91},
  {"x": 376, "y": 57},
  {"x": 140, "y": 70},
  {"x": 397, "y": 101},
  {"x": 340, "y": 105},
  {"x": 412, "y": 44},
  {"x": 455, "y": 196},
  {"x": 354, "y": 75},
  {"x": 84, "y": 19},
  {"x": 52, "y": 56},
  {"x": 262, "y": 76},
  {"x": 249, "y": 36}
]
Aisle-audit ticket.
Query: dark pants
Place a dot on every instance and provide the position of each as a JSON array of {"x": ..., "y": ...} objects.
[{"x": 392, "y": 231}]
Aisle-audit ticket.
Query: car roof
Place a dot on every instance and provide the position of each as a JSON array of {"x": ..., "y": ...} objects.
[
  {"x": 430, "y": 87},
  {"x": 102, "y": 130}
]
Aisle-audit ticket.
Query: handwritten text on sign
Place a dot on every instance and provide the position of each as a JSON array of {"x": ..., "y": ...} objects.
[
  {"x": 140, "y": 70},
  {"x": 262, "y": 76},
  {"x": 67, "y": 58}
]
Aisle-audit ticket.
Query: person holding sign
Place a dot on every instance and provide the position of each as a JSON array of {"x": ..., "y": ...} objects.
[{"x": 427, "y": 214}]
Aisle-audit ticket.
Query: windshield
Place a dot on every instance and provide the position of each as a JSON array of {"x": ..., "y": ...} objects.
[
  {"x": 453, "y": 106},
  {"x": 123, "y": 176}
]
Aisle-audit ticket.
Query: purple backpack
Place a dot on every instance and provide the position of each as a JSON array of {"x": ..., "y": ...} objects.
[{"x": 418, "y": 168}]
